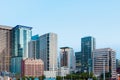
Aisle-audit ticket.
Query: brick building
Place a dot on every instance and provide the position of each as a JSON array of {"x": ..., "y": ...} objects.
[{"x": 32, "y": 67}]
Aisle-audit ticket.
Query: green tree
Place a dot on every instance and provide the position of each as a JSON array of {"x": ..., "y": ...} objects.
[
  {"x": 32, "y": 78},
  {"x": 87, "y": 75},
  {"x": 42, "y": 77},
  {"x": 25, "y": 78},
  {"x": 107, "y": 76},
  {"x": 17, "y": 75},
  {"x": 67, "y": 76},
  {"x": 58, "y": 78},
  {"x": 78, "y": 76},
  {"x": 84, "y": 76}
]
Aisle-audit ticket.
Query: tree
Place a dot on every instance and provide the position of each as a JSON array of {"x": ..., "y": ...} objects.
[
  {"x": 87, "y": 75},
  {"x": 94, "y": 78},
  {"x": 17, "y": 75},
  {"x": 107, "y": 76},
  {"x": 32, "y": 78},
  {"x": 84, "y": 76},
  {"x": 68, "y": 76},
  {"x": 59, "y": 78},
  {"x": 41, "y": 77},
  {"x": 25, "y": 78},
  {"x": 78, "y": 76}
]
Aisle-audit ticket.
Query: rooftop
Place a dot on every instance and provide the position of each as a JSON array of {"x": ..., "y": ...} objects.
[
  {"x": 65, "y": 47},
  {"x": 5, "y": 27},
  {"x": 22, "y": 26}
]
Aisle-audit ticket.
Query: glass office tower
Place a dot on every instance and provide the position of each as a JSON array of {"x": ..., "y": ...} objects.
[
  {"x": 20, "y": 37},
  {"x": 78, "y": 61},
  {"x": 87, "y": 46}
]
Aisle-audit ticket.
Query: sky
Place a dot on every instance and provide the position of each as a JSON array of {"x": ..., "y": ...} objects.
[{"x": 69, "y": 19}]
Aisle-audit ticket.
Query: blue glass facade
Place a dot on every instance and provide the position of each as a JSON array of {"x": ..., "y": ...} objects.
[
  {"x": 16, "y": 65},
  {"x": 35, "y": 37},
  {"x": 87, "y": 46},
  {"x": 20, "y": 36},
  {"x": 78, "y": 60}
]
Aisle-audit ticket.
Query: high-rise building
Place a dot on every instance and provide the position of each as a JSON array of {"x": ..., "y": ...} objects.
[
  {"x": 5, "y": 47},
  {"x": 34, "y": 47},
  {"x": 104, "y": 61},
  {"x": 67, "y": 58},
  {"x": 78, "y": 61},
  {"x": 87, "y": 46},
  {"x": 118, "y": 66},
  {"x": 20, "y": 37},
  {"x": 117, "y": 63},
  {"x": 48, "y": 51},
  {"x": 32, "y": 67}
]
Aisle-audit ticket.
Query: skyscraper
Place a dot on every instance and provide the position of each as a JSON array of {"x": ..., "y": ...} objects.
[
  {"x": 20, "y": 35},
  {"x": 5, "y": 47},
  {"x": 117, "y": 63},
  {"x": 87, "y": 46},
  {"x": 34, "y": 47},
  {"x": 118, "y": 66},
  {"x": 78, "y": 61},
  {"x": 48, "y": 51},
  {"x": 67, "y": 58},
  {"x": 104, "y": 61}
]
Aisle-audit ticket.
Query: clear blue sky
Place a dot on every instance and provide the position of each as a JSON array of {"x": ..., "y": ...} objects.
[{"x": 70, "y": 19}]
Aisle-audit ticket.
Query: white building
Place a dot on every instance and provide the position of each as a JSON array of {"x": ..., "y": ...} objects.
[
  {"x": 50, "y": 74},
  {"x": 1, "y": 78},
  {"x": 104, "y": 60},
  {"x": 48, "y": 51},
  {"x": 67, "y": 58},
  {"x": 63, "y": 71},
  {"x": 5, "y": 78}
]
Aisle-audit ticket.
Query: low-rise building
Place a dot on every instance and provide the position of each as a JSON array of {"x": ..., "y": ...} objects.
[
  {"x": 63, "y": 71},
  {"x": 32, "y": 67},
  {"x": 5, "y": 78},
  {"x": 50, "y": 74}
]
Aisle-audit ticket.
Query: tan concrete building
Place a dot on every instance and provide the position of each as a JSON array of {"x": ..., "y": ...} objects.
[
  {"x": 5, "y": 47},
  {"x": 48, "y": 51},
  {"x": 104, "y": 60}
]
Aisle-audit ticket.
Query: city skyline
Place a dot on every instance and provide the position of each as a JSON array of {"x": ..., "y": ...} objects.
[{"x": 70, "y": 19}]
